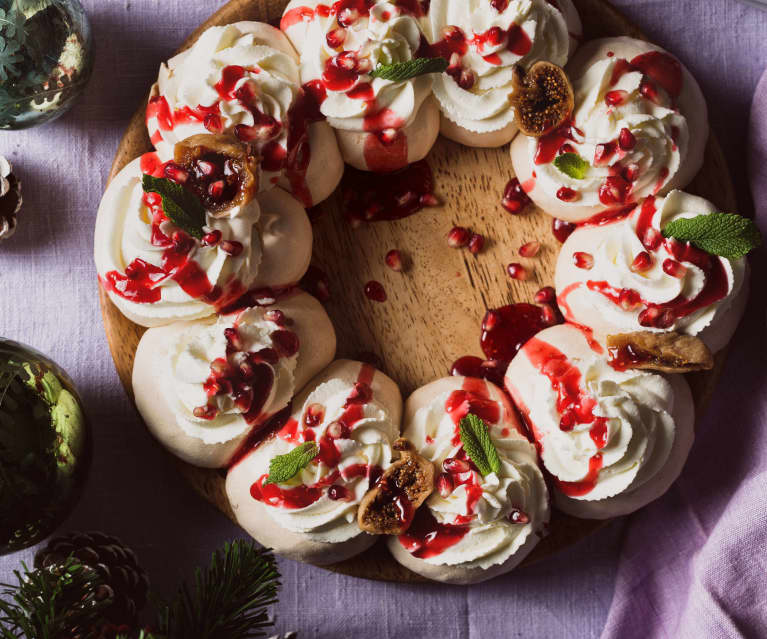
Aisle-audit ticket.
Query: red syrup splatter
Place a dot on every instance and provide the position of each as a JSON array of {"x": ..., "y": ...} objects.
[
  {"x": 550, "y": 145},
  {"x": 370, "y": 197},
  {"x": 506, "y": 329},
  {"x": 626, "y": 357},
  {"x": 375, "y": 291},
  {"x": 426, "y": 537},
  {"x": 574, "y": 405}
]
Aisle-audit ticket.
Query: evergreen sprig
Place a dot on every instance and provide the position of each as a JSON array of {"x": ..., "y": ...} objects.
[
  {"x": 228, "y": 600},
  {"x": 63, "y": 600}
]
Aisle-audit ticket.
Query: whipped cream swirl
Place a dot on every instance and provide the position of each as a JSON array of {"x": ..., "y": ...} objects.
[
  {"x": 230, "y": 81},
  {"x": 355, "y": 434},
  {"x": 224, "y": 377},
  {"x": 637, "y": 280},
  {"x": 625, "y": 127},
  {"x": 601, "y": 432},
  {"x": 490, "y": 39},
  {"x": 342, "y": 45},
  {"x": 489, "y": 518},
  {"x": 155, "y": 271}
]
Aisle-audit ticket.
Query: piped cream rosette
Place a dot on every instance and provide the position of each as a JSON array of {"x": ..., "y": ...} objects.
[
  {"x": 613, "y": 441},
  {"x": 473, "y": 527},
  {"x": 353, "y": 412},
  {"x": 483, "y": 42},
  {"x": 202, "y": 387},
  {"x": 243, "y": 79},
  {"x": 381, "y": 125},
  {"x": 639, "y": 128},
  {"x": 624, "y": 276},
  {"x": 155, "y": 273}
]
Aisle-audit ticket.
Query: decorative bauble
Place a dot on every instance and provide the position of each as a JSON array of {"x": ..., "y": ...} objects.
[
  {"x": 116, "y": 564},
  {"x": 46, "y": 59},
  {"x": 45, "y": 446}
]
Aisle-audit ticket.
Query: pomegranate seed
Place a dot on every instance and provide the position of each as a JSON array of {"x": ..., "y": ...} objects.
[
  {"x": 567, "y": 194},
  {"x": 458, "y": 237},
  {"x": 220, "y": 366},
  {"x": 182, "y": 243},
  {"x": 243, "y": 398},
  {"x": 388, "y": 136},
  {"x": 546, "y": 295},
  {"x": 567, "y": 148},
  {"x": 346, "y": 60},
  {"x": 205, "y": 412},
  {"x": 338, "y": 493},
  {"x": 530, "y": 249},
  {"x": 615, "y": 98},
  {"x": 583, "y": 260},
  {"x": 213, "y": 123},
  {"x": 335, "y": 38},
  {"x": 656, "y": 318},
  {"x": 428, "y": 199},
  {"x": 337, "y": 430},
  {"x": 631, "y": 172},
  {"x": 603, "y": 153},
  {"x": 454, "y": 64},
  {"x": 394, "y": 260},
  {"x": 285, "y": 342},
  {"x": 516, "y": 516},
  {"x": 454, "y": 465},
  {"x": 216, "y": 189},
  {"x": 176, "y": 173},
  {"x": 206, "y": 168},
  {"x": 514, "y": 197},
  {"x": 626, "y": 139},
  {"x": 549, "y": 315},
  {"x": 629, "y": 299},
  {"x": 614, "y": 190},
  {"x": 246, "y": 370},
  {"x": 491, "y": 320},
  {"x": 642, "y": 262},
  {"x": 276, "y": 316},
  {"x": 561, "y": 229},
  {"x": 445, "y": 484},
  {"x": 453, "y": 34},
  {"x": 648, "y": 90},
  {"x": 348, "y": 16},
  {"x": 476, "y": 243},
  {"x": 231, "y": 247},
  {"x": 314, "y": 415},
  {"x": 652, "y": 239},
  {"x": 212, "y": 238},
  {"x": 674, "y": 268},
  {"x": 516, "y": 271},
  {"x": 466, "y": 80},
  {"x": 233, "y": 337}
]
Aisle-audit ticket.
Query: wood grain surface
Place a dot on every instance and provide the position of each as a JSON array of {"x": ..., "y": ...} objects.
[{"x": 434, "y": 309}]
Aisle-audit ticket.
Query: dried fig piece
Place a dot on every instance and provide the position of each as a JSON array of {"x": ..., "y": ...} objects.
[
  {"x": 388, "y": 508},
  {"x": 219, "y": 169},
  {"x": 669, "y": 352},
  {"x": 542, "y": 98}
]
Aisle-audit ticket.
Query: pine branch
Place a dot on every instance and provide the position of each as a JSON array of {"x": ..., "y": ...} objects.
[
  {"x": 63, "y": 600},
  {"x": 228, "y": 600}
]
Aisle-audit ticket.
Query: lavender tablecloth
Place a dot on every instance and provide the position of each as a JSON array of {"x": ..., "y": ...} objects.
[{"x": 660, "y": 569}]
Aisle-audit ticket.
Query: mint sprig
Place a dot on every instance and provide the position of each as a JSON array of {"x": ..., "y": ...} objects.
[
  {"x": 573, "y": 165},
  {"x": 180, "y": 206},
  {"x": 285, "y": 467},
  {"x": 478, "y": 445},
  {"x": 401, "y": 71},
  {"x": 724, "y": 234}
]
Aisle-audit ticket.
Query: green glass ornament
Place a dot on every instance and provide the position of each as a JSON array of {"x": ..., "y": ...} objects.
[
  {"x": 46, "y": 59},
  {"x": 45, "y": 446}
]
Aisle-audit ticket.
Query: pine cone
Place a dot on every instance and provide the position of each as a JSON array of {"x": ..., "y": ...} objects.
[
  {"x": 116, "y": 564},
  {"x": 10, "y": 199}
]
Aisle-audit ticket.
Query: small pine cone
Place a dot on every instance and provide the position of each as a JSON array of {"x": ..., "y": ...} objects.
[
  {"x": 10, "y": 199},
  {"x": 116, "y": 564}
]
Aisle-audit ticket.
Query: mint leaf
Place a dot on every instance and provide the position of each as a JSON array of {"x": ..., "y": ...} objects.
[
  {"x": 723, "y": 234},
  {"x": 573, "y": 165},
  {"x": 478, "y": 445},
  {"x": 285, "y": 467},
  {"x": 401, "y": 71},
  {"x": 180, "y": 206}
]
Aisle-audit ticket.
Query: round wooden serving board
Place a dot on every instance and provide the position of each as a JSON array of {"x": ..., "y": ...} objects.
[{"x": 434, "y": 309}]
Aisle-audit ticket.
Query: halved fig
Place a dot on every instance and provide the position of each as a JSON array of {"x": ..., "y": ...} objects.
[
  {"x": 219, "y": 169},
  {"x": 388, "y": 508},
  {"x": 542, "y": 98},
  {"x": 669, "y": 352}
]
